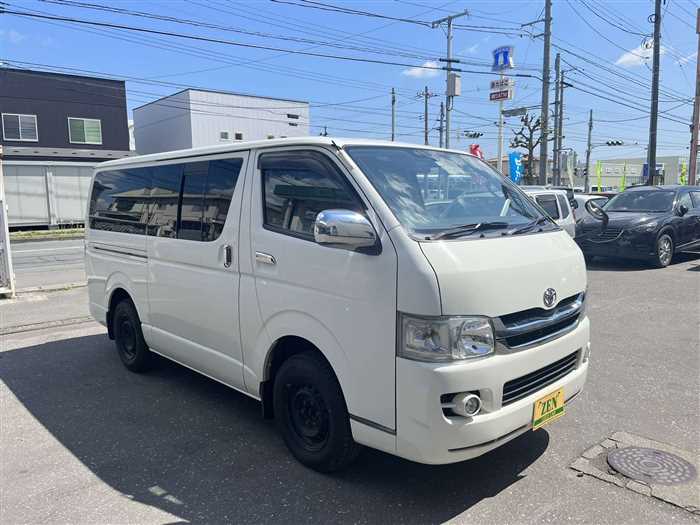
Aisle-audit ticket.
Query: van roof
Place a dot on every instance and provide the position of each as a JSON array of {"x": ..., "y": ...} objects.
[
  {"x": 540, "y": 190},
  {"x": 265, "y": 143}
]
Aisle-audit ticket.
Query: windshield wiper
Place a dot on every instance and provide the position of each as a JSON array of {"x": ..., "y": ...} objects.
[
  {"x": 468, "y": 229},
  {"x": 530, "y": 226}
]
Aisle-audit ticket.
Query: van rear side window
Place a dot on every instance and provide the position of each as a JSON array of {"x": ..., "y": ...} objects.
[
  {"x": 184, "y": 201},
  {"x": 549, "y": 204}
]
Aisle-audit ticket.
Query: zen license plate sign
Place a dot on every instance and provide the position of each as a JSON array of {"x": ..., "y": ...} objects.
[{"x": 548, "y": 408}]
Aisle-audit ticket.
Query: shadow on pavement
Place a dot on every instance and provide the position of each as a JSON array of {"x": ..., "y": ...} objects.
[
  {"x": 608, "y": 264},
  {"x": 190, "y": 446}
]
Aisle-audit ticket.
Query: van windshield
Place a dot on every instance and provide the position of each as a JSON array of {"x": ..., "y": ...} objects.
[{"x": 433, "y": 192}]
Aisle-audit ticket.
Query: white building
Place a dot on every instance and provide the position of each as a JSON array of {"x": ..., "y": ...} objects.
[{"x": 193, "y": 118}]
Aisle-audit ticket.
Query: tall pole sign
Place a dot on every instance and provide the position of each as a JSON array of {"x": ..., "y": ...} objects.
[
  {"x": 501, "y": 89},
  {"x": 692, "y": 165}
]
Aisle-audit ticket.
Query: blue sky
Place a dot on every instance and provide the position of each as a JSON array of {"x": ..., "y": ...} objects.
[{"x": 600, "y": 41}]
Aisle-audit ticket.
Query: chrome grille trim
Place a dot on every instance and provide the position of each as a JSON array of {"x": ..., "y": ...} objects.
[{"x": 522, "y": 330}]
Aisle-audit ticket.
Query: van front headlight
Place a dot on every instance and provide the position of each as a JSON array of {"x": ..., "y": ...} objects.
[{"x": 442, "y": 339}]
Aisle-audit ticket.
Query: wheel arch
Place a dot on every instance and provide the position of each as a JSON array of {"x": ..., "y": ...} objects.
[
  {"x": 117, "y": 295},
  {"x": 282, "y": 349}
]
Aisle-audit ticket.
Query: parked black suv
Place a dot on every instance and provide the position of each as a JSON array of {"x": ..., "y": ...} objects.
[{"x": 645, "y": 222}]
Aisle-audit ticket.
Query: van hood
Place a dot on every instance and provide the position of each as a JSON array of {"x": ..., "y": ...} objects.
[{"x": 499, "y": 276}]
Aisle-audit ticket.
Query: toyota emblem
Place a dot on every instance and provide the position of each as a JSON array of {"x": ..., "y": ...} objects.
[{"x": 549, "y": 297}]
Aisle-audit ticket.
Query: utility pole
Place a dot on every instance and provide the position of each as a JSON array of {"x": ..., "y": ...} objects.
[
  {"x": 586, "y": 183},
  {"x": 442, "y": 121},
  {"x": 426, "y": 95},
  {"x": 560, "y": 125},
  {"x": 393, "y": 114},
  {"x": 544, "y": 118},
  {"x": 692, "y": 164},
  {"x": 651, "y": 153},
  {"x": 556, "y": 168},
  {"x": 499, "y": 164},
  {"x": 449, "y": 83},
  {"x": 425, "y": 115}
]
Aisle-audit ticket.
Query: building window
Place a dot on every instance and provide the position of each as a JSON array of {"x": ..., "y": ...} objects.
[
  {"x": 293, "y": 123},
  {"x": 84, "y": 130},
  {"x": 19, "y": 127},
  {"x": 223, "y": 135},
  {"x": 292, "y": 115},
  {"x": 238, "y": 136}
]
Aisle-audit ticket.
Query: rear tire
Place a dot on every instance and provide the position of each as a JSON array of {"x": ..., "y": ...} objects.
[
  {"x": 131, "y": 346},
  {"x": 311, "y": 414},
  {"x": 663, "y": 251}
]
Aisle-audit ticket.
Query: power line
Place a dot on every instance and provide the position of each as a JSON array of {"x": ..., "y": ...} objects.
[{"x": 239, "y": 44}]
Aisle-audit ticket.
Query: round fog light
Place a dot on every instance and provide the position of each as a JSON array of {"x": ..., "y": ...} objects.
[{"x": 466, "y": 404}]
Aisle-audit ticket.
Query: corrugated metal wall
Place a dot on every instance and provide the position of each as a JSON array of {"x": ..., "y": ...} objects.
[{"x": 50, "y": 194}]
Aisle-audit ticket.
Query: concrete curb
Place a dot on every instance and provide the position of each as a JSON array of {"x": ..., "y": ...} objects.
[
  {"x": 45, "y": 324},
  {"x": 23, "y": 240},
  {"x": 50, "y": 288}
]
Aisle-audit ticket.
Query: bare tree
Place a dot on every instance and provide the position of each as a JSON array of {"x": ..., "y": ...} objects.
[{"x": 528, "y": 137}]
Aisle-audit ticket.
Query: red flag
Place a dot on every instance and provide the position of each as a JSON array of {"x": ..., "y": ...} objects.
[{"x": 475, "y": 150}]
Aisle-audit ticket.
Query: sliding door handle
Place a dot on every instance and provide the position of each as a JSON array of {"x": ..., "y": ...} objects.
[
  {"x": 228, "y": 256},
  {"x": 265, "y": 258}
]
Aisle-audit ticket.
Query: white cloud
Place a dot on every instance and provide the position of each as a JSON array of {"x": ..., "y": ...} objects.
[
  {"x": 684, "y": 60},
  {"x": 419, "y": 72},
  {"x": 12, "y": 36},
  {"x": 637, "y": 56},
  {"x": 471, "y": 50}
]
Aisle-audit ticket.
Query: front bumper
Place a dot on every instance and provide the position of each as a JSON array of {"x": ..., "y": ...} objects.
[
  {"x": 424, "y": 434},
  {"x": 629, "y": 245}
]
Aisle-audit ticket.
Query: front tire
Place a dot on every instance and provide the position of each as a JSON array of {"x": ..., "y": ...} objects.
[
  {"x": 311, "y": 414},
  {"x": 131, "y": 346},
  {"x": 663, "y": 251}
]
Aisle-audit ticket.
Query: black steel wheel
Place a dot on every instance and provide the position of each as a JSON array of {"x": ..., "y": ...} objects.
[
  {"x": 311, "y": 414},
  {"x": 663, "y": 253},
  {"x": 128, "y": 337}
]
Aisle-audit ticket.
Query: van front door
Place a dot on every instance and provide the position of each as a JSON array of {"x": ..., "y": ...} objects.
[
  {"x": 193, "y": 264},
  {"x": 343, "y": 302}
]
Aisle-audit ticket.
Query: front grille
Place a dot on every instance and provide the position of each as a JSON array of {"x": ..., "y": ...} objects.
[
  {"x": 526, "y": 328},
  {"x": 608, "y": 234},
  {"x": 541, "y": 333},
  {"x": 523, "y": 386}
]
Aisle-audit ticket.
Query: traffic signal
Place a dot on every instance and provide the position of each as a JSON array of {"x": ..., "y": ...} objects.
[
  {"x": 615, "y": 142},
  {"x": 473, "y": 134}
]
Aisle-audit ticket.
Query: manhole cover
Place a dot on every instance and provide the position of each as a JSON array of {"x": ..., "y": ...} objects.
[{"x": 651, "y": 465}]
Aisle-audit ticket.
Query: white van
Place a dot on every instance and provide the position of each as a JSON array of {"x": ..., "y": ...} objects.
[
  {"x": 557, "y": 205},
  {"x": 397, "y": 296}
]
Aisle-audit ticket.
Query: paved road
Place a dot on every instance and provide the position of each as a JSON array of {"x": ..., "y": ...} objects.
[
  {"x": 43, "y": 263},
  {"x": 84, "y": 441}
]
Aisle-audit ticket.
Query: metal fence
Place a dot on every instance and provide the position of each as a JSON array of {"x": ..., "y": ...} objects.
[{"x": 46, "y": 193}]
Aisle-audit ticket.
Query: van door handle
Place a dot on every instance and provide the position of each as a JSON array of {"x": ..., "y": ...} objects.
[
  {"x": 265, "y": 258},
  {"x": 228, "y": 256}
]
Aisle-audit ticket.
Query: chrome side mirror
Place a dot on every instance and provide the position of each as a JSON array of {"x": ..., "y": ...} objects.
[{"x": 347, "y": 230}]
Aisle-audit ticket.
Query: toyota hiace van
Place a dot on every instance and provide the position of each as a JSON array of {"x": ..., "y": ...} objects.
[{"x": 396, "y": 296}]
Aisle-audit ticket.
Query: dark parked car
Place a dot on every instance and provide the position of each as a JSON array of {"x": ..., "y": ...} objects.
[{"x": 646, "y": 222}]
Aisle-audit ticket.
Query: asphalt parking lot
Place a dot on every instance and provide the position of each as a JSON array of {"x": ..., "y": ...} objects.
[{"x": 85, "y": 441}]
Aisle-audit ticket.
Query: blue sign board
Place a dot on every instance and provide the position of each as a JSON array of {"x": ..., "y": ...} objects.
[
  {"x": 503, "y": 58},
  {"x": 515, "y": 162}
]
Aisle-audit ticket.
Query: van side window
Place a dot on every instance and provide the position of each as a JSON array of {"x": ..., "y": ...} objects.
[
  {"x": 297, "y": 186},
  {"x": 120, "y": 201},
  {"x": 221, "y": 180},
  {"x": 563, "y": 205},
  {"x": 549, "y": 204},
  {"x": 194, "y": 180},
  {"x": 165, "y": 196},
  {"x": 191, "y": 201}
]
